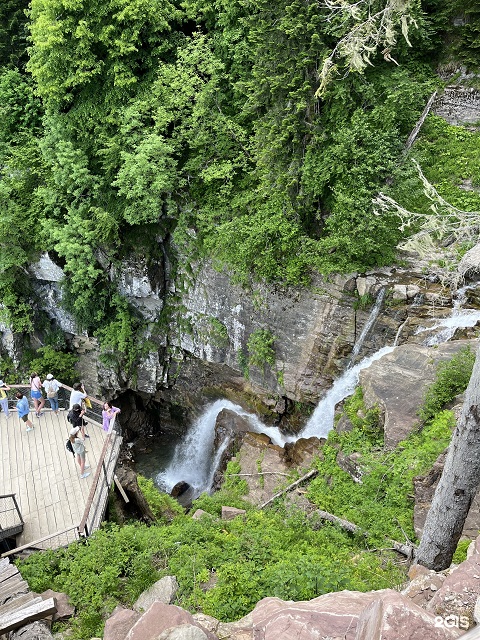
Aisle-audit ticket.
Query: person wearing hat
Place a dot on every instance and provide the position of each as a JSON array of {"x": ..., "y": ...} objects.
[
  {"x": 79, "y": 449},
  {"x": 4, "y": 398},
  {"x": 51, "y": 386}
]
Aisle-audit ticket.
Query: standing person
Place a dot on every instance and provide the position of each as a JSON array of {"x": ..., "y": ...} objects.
[
  {"x": 23, "y": 410},
  {"x": 78, "y": 394},
  {"x": 36, "y": 394},
  {"x": 79, "y": 449},
  {"x": 107, "y": 414},
  {"x": 75, "y": 416},
  {"x": 51, "y": 386},
  {"x": 4, "y": 398}
]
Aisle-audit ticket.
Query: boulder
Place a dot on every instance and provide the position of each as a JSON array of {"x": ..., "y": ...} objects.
[
  {"x": 423, "y": 586},
  {"x": 239, "y": 630},
  {"x": 230, "y": 513},
  {"x": 331, "y": 615},
  {"x": 183, "y": 632},
  {"x": 392, "y": 617},
  {"x": 65, "y": 610},
  {"x": 267, "y": 469},
  {"x": 164, "y": 590},
  {"x": 460, "y": 590},
  {"x": 38, "y": 630},
  {"x": 301, "y": 453},
  {"x": 119, "y": 623},
  {"x": 397, "y": 384},
  {"x": 200, "y": 513},
  {"x": 161, "y": 617},
  {"x": 347, "y": 615}
]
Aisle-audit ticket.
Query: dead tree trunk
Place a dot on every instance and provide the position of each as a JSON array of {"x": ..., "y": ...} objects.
[{"x": 457, "y": 486}]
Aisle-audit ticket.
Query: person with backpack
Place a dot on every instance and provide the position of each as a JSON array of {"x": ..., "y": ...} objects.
[
  {"x": 75, "y": 417},
  {"x": 79, "y": 449},
  {"x": 51, "y": 386}
]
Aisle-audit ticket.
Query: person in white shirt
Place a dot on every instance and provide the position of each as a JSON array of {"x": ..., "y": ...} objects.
[
  {"x": 78, "y": 394},
  {"x": 51, "y": 386}
]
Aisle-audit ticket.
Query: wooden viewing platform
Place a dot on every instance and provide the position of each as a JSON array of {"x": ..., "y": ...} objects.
[{"x": 56, "y": 505}]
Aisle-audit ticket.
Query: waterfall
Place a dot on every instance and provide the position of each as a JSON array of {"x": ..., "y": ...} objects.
[
  {"x": 194, "y": 459},
  {"x": 368, "y": 325},
  {"x": 459, "y": 319},
  {"x": 320, "y": 422}
]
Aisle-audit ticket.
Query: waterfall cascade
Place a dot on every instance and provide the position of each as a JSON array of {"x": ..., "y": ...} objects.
[{"x": 195, "y": 461}]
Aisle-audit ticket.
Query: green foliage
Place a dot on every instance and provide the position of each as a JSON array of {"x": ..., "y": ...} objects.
[
  {"x": 382, "y": 503},
  {"x": 61, "y": 365},
  {"x": 367, "y": 432},
  {"x": 461, "y": 551},
  {"x": 260, "y": 348},
  {"x": 242, "y": 361},
  {"x": 449, "y": 157},
  {"x": 452, "y": 377},
  {"x": 163, "y": 506}
]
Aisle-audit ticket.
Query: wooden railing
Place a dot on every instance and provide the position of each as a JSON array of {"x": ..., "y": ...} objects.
[
  {"x": 11, "y": 521},
  {"x": 98, "y": 496}
]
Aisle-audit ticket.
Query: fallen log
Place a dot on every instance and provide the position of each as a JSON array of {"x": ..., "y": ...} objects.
[
  {"x": 407, "y": 550},
  {"x": 308, "y": 475}
]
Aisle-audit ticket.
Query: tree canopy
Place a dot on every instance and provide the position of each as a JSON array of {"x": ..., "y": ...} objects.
[{"x": 130, "y": 124}]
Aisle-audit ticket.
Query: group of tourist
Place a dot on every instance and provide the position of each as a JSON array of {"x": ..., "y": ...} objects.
[{"x": 78, "y": 405}]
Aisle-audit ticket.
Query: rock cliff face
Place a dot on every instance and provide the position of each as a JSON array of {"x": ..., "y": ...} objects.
[{"x": 315, "y": 330}]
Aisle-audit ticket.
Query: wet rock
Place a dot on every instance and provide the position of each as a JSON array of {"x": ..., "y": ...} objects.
[
  {"x": 301, "y": 453},
  {"x": 179, "y": 489}
]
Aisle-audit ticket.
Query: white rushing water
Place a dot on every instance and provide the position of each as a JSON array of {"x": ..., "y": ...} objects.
[
  {"x": 194, "y": 460},
  {"x": 368, "y": 325},
  {"x": 320, "y": 422},
  {"x": 444, "y": 329}
]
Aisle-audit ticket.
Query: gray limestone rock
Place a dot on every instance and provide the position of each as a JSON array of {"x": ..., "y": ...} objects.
[
  {"x": 163, "y": 591},
  {"x": 183, "y": 632}
]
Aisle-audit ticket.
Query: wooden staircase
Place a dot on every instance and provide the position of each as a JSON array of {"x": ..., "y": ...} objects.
[{"x": 18, "y": 605}]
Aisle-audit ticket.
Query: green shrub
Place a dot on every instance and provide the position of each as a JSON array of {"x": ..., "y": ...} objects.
[
  {"x": 452, "y": 378},
  {"x": 59, "y": 364},
  {"x": 163, "y": 506},
  {"x": 260, "y": 348}
]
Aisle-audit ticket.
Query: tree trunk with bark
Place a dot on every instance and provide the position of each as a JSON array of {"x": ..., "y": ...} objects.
[{"x": 457, "y": 486}]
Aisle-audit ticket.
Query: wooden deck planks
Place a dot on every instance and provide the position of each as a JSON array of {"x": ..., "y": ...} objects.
[{"x": 43, "y": 475}]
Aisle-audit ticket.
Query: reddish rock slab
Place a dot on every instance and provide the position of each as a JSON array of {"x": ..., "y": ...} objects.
[
  {"x": 392, "y": 616},
  {"x": 331, "y": 615},
  {"x": 119, "y": 623},
  {"x": 65, "y": 610},
  {"x": 161, "y": 617},
  {"x": 457, "y": 597}
]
